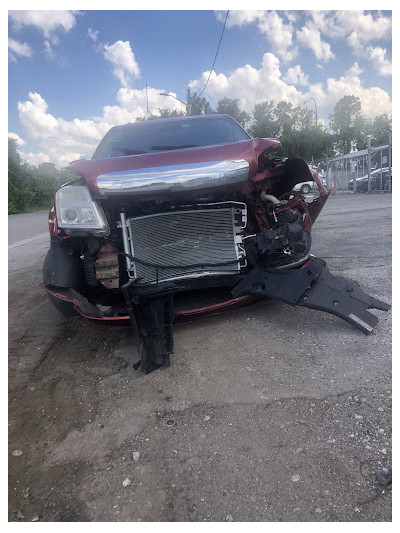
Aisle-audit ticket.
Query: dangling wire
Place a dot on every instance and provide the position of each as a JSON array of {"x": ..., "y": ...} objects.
[{"x": 216, "y": 54}]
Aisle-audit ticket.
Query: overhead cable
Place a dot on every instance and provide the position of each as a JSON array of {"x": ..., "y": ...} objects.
[{"x": 216, "y": 54}]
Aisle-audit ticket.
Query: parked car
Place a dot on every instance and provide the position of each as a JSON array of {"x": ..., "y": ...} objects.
[
  {"x": 173, "y": 205},
  {"x": 362, "y": 182},
  {"x": 308, "y": 186}
]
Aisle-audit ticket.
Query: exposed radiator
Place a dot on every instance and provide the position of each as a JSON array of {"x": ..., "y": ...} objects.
[{"x": 193, "y": 243}]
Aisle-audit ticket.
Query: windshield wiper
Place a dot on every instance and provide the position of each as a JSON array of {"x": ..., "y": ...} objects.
[{"x": 161, "y": 147}]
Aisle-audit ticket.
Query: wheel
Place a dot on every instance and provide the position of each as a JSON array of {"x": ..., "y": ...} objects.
[
  {"x": 65, "y": 308},
  {"x": 305, "y": 189}
]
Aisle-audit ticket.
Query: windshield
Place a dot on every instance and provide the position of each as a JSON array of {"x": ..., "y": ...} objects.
[{"x": 158, "y": 136}]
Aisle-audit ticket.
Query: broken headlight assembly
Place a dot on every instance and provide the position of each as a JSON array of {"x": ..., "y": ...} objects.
[{"x": 76, "y": 210}]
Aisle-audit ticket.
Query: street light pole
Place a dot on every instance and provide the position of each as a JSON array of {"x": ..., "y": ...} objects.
[
  {"x": 186, "y": 104},
  {"x": 316, "y": 112}
]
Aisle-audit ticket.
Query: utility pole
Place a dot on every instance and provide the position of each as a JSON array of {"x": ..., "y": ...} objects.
[
  {"x": 390, "y": 161},
  {"x": 188, "y": 102},
  {"x": 369, "y": 165},
  {"x": 316, "y": 112},
  {"x": 147, "y": 102}
]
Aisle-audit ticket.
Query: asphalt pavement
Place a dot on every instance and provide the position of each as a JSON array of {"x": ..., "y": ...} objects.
[
  {"x": 27, "y": 226},
  {"x": 272, "y": 413}
]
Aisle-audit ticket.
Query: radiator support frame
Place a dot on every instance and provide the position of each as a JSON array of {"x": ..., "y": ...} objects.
[{"x": 188, "y": 253}]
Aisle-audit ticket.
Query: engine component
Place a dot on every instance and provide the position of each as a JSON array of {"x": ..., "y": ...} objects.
[
  {"x": 287, "y": 242},
  {"x": 90, "y": 249},
  {"x": 107, "y": 267}
]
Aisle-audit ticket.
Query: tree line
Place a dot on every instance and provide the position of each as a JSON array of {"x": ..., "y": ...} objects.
[
  {"x": 31, "y": 187},
  {"x": 296, "y": 126}
]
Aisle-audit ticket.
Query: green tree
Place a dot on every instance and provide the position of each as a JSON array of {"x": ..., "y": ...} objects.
[
  {"x": 264, "y": 123},
  {"x": 14, "y": 160},
  {"x": 348, "y": 123},
  {"x": 197, "y": 105},
  {"x": 293, "y": 125},
  {"x": 19, "y": 195},
  {"x": 162, "y": 113},
  {"x": 31, "y": 187},
  {"x": 381, "y": 128},
  {"x": 230, "y": 106}
]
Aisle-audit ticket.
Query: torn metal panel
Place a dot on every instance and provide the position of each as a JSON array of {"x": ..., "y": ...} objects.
[
  {"x": 314, "y": 286},
  {"x": 151, "y": 312}
]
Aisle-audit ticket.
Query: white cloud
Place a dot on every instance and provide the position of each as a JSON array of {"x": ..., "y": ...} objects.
[
  {"x": 363, "y": 28},
  {"x": 296, "y": 76},
  {"x": 359, "y": 29},
  {"x": 238, "y": 17},
  {"x": 122, "y": 58},
  {"x": 47, "y": 22},
  {"x": 374, "y": 100},
  {"x": 135, "y": 100},
  {"x": 17, "y": 48},
  {"x": 35, "y": 159},
  {"x": 327, "y": 23},
  {"x": 310, "y": 37},
  {"x": 93, "y": 34},
  {"x": 17, "y": 138},
  {"x": 63, "y": 141},
  {"x": 279, "y": 34},
  {"x": 251, "y": 85},
  {"x": 271, "y": 24},
  {"x": 132, "y": 104},
  {"x": 48, "y": 50},
  {"x": 377, "y": 57}
]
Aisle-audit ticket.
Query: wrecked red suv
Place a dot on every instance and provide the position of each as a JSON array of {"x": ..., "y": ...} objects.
[{"x": 175, "y": 205}]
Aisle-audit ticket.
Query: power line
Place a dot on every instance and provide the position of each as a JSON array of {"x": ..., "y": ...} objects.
[{"x": 216, "y": 54}]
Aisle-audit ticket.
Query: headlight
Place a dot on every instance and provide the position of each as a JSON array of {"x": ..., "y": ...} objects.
[{"x": 76, "y": 210}]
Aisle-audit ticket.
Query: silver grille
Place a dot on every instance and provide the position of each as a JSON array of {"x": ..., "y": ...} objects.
[{"x": 184, "y": 244}]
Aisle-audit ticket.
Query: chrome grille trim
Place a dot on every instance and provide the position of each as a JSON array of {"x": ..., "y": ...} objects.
[{"x": 174, "y": 178}]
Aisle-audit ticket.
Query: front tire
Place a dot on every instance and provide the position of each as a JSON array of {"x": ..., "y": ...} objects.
[{"x": 305, "y": 189}]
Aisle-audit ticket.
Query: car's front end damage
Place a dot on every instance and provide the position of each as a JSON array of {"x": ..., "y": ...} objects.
[{"x": 132, "y": 232}]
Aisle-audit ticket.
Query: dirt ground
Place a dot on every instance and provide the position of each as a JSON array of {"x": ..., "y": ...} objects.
[{"x": 271, "y": 413}]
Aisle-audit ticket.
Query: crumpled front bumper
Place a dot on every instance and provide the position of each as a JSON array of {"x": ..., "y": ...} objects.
[
  {"x": 89, "y": 311},
  {"x": 151, "y": 310},
  {"x": 311, "y": 285}
]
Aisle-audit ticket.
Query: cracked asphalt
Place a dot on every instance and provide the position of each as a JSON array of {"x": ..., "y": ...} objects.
[{"x": 268, "y": 414}]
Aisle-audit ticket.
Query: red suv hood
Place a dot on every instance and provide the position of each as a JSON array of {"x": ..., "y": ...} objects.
[{"x": 247, "y": 150}]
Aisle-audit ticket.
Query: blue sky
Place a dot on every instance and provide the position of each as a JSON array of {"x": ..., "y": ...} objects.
[{"x": 73, "y": 75}]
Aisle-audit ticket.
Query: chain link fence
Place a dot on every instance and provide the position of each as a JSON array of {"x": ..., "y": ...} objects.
[{"x": 358, "y": 172}]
